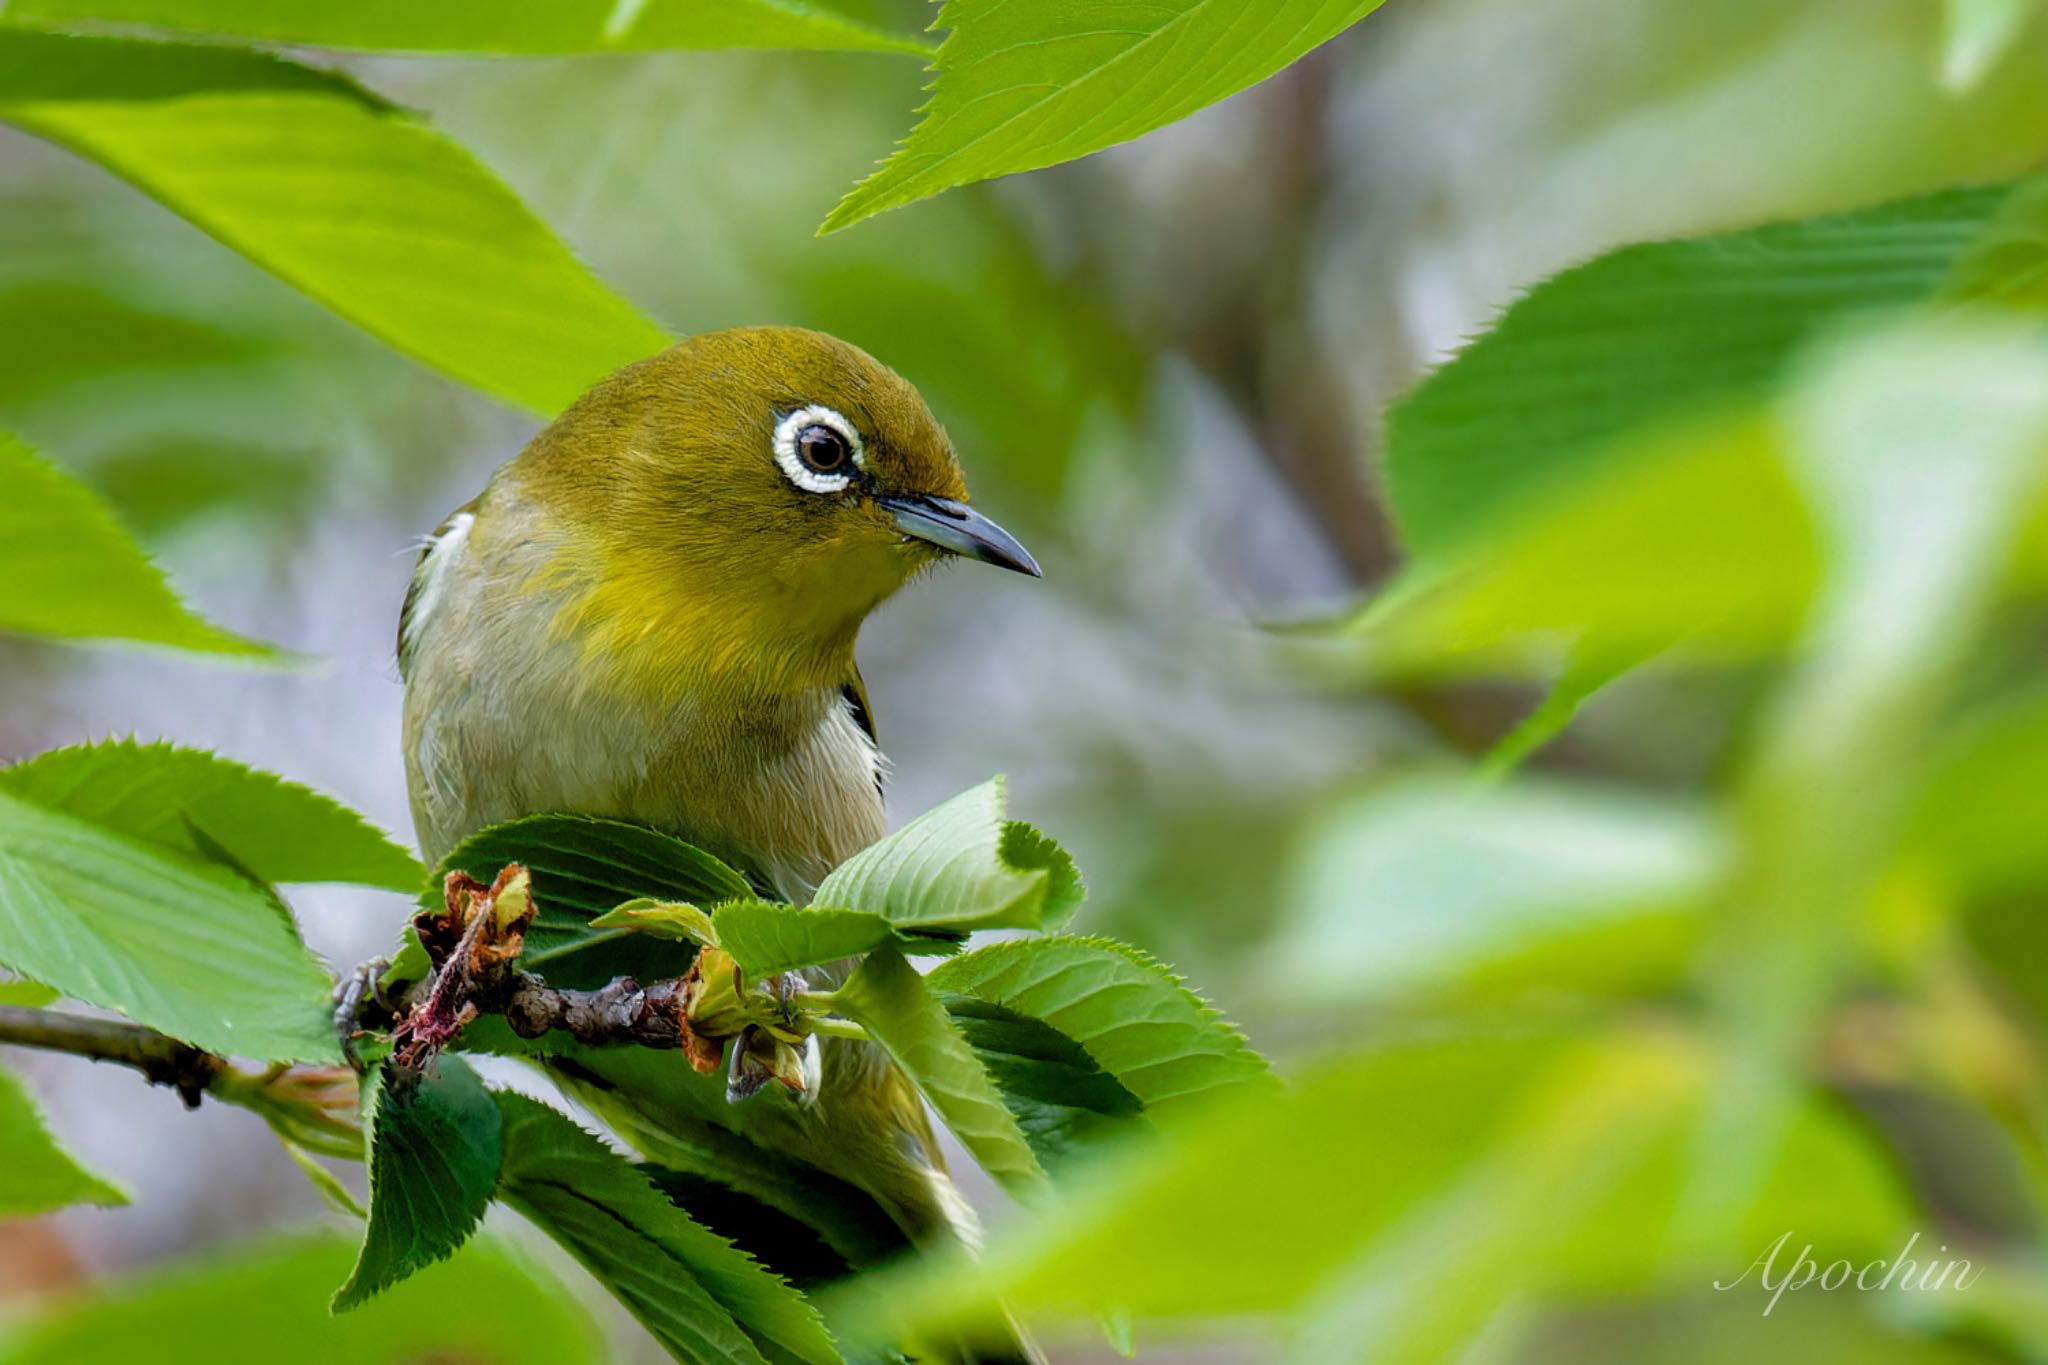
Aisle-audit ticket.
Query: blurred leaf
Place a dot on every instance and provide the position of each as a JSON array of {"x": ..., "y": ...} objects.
[
  {"x": 1583, "y": 676},
  {"x": 435, "y": 1149},
  {"x": 766, "y": 937},
  {"x": 1703, "y": 538},
  {"x": 887, "y": 997},
  {"x": 179, "y": 944},
  {"x": 24, "y": 993},
  {"x": 68, "y": 570},
  {"x": 701, "y": 1297},
  {"x": 957, "y": 867},
  {"x": 36, "y": 1175},
  {"x": 161, "y": 794},
  {"x": 53, "y": 331},
  {"x": 1194, "y": 1229},
  {"x": 1020, "y": 87},
  {"x": 340, "y": 195},
  {"x": 161, "y": 483},
  {"x": 1061, "y": 1097},
  {"x": 1981, "y": 813},
  {"x": 488, "y": 1307},
  {"x": 473, "y": 26},
  {"x": 1976, "y": 33},
  {"x": 324, "y": 1182},
  {"x": 583, "y": 868},
  {"x": 1641, "y": 337},
  {"x": 1161, "y": 1041},
  {"x": 1429, "y": 882}
]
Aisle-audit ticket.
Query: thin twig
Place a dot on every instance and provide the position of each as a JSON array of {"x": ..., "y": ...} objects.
[{"x": 189, "y": 1070}]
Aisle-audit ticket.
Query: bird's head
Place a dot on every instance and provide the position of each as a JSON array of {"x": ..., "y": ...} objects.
[{"x": 743, "y": 500}]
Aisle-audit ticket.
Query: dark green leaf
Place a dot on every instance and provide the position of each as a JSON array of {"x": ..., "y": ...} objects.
[
  {"x": 435, "y": 1149},
  {"x": 960, "y": 866},
  {"x": 68, "y": 570},
  {"x": 265, "y": 1299},
  {"x": 784, "y": 1244},
  {"x": 159, "y": 793},
  {"x": 36, "y": 1175},
  {"x": 582, "y": 868},
  {"x": 1024, "y": 86},
  {"x": 887, "y": 997},
  {"x": 476, "y": 26},
  {"x": 340, "y": 195},
  {"x": 1160, "y": 1040},
  {"x": 1062, "y": 1099},
  {"x": 703, "y": 1299},
  {"x": 185, "y": 946},
  {"x": 1643, "y": 336}
]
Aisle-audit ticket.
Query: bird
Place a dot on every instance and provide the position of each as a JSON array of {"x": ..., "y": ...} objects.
[{"x": 649, "y": 614}]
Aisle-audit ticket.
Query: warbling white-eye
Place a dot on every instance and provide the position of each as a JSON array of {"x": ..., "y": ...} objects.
[{"x": 649, "y": 614}]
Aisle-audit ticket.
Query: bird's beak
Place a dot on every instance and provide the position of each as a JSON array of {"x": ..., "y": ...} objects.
[{"x": 959, "y": 529}]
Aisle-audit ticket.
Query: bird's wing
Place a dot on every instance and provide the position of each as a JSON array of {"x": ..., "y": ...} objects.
[
  {"x": 437, "y": 552},
  {"x": 855, "y": 694}
]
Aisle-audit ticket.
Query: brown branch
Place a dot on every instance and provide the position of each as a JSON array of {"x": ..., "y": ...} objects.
[{"x": 189, "y": 1070}]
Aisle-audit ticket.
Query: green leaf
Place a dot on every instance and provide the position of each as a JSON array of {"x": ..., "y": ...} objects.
[
  {"x": 784, "y": 1244},
  {"x": 475, "y": 26},
  {"x": 1062, "y": 1099},
  {"x": 1644, "y": 336},
  {"x": 958, "y": 867},
  {"x": 23, "y": 993},
  {"x": 1432, "y": 882},
  {"x": 1975, "y": 34},
  {"x": 671, "y": 920},
  {"x": 269, "y": 1297},
  {"x": 887, "y": 997},
  {"x": 703, "y": 1299},
  {"x": 1583, "y": 676},
  {"x": 1158, "y": 1039},
  {"x": 582, "y": 869},
  {"x": 1981, "y": 810},
  {"x": 36, "y": 1175},
  {"x": 766, "y": 937},
  {"x": 1025, "y": 86},
  {"x": 435, "y": 1150},
  {"x": 342, "y": 196},
  {"x": 68, "y": 570},
  {"x": 185, "y": 946},
  {"x": 166, "y": 795}
]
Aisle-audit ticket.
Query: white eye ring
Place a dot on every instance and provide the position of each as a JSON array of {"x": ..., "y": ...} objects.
[{"x": 792, "y": 461}]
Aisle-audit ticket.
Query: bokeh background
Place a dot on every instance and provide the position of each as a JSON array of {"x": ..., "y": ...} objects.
[{"x": 1165, "y": 367}]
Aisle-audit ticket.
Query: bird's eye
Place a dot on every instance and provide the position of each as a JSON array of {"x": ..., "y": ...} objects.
[
  {"x": 818, "y": 450},
  {"x": 822, "y": 449}
]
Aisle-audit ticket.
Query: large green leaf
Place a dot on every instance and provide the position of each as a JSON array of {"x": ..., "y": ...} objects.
[
  {"x": 1024, "y": 86},
  {"x": 197, "y": 802},
  {"x": 959, "y": 866},
  {"x": 1062, "y": 1099},
  {"x": 342, "y": 196},
  {"x": 261, "y": 1300},
  {"x": 185, "y": 946},
  {"x": 582, "y": 868},
  {"x": 703, "y": 1299},
  {"x": 1424, "y": 885},
  {"x": 1160, "y": 1040},
  {"x": 37, "y": 1175},
  {"x": 435, "y": 1149},
  {"x": 1643, "y": 336},
  {"x": 68, "y": 570},
  {"x": 887, "y": 996},
  {"x": 477, "y": 26}
]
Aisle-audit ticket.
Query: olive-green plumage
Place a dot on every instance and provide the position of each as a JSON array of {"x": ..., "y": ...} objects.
[{"x": 649, "y": 614}]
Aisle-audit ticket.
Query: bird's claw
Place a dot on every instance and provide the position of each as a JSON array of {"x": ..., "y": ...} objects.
[{"x": 358, "y": 994}]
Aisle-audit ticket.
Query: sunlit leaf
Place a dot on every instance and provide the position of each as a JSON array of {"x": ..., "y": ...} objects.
[
  {"x": 342, "y": 196},
  {"x": 37, "y": 1175},
  {"x": 959, "y": 866},
  {"x": 435, "y": 1149},
  {"x": 68, "y": 570},
  {"x": 1422, "y": 884},
  {"x": 1160, "y": 1040},
  {"x": 1643, "y": 337},
  {"x": 1976, "y": 33},
  {"x": 1982, "y": 810},
  {"x": 1025, "y": 86},
  {"x": 182, "y": 945},
  {"x": 887, "y": 996},
  {"x": 487, "y": 1305},
  {"x": 703, "y": 1299},
  {"x": 475, "y": 26},
  {"x": 162, "y": 794}
]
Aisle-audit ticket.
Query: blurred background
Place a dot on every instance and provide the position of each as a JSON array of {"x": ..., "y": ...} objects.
[{"x": 1166, "y": 368}]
